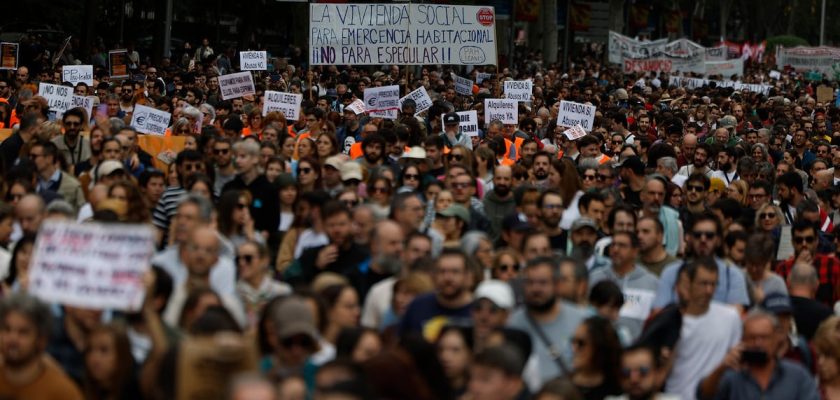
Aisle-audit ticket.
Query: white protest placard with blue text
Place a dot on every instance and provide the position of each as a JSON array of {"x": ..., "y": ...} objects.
[
  {"x": 150, "y": 120},
  {"x": 403, "y": 34},
  {"x": 77, "y": 73},
  {"x": 253, "y": 60},
  {"x": 421, "y": 99},
  {"x": 572, "y": 114},
  {"x": 236, "y": 85},
  {"x": 504, "y": 110},
  {"x": 463, "y": 86},
  {"x": 383, "y": 102},
  {"x": 59, "y": 98},
  {"x": 287, "y": 103},
  {"x": 94, "y": 266},
  {"x": 519, "y": 90},
  {"x": 469, "y": 122}
]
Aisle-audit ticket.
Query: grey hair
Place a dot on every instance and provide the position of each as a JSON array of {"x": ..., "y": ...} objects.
[
  {"x": 249, "y": 146},
  {"x": 759, "y": 313},
  {"x": 61, "y": 207},
  {"x": 497, "y": 123},
  {"x": 116, "y": 125},
  {"x": 471, "y": 240},
  {"x": 191, "y": 112},
  {"x": 803, "y": 274},
  {"x": 209, "y": 109},
  {"x": 205, "y": 207},
  {"x": 588, "y": 163},
  {"x": 669, "y": 163},
  {"x": 37, "y": 312}
]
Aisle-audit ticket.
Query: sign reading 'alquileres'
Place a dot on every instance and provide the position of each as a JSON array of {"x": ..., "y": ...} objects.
[{"x": 404, "y": 34}]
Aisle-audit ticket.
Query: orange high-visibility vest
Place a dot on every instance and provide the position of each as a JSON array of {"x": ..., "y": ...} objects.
[{"x": 512, "y": 148}]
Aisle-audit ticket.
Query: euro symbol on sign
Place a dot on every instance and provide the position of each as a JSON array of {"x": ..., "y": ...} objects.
[
  {"x": 141, "y": 119},
  {"x": 372, "y": 101}
]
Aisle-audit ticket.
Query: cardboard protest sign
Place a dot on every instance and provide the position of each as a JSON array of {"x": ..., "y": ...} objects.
[
  {"x": 236, "y": 85},
  {"x": 150, "y": 120},
  {"x": 824, "y": 94},
  {"x": 404, "y": 34},
  {"x": 420, "y": 97},
  {"x": 207, "y": 364},
  {"x": 574, "y": 133},
  {"x": 504, "y": 110},
  {"x": 519, "y": 90},
  {"x": 469, "y": 122},
  {"x": 572, "y": 114},
  {"x": 59, "y": 98},
  {"x": 482, "y": 76},
  {"x": 253, "y": 61},
  {"x": 463, "y": 86},
  {"x": 383, "y": 102},
  {"x": 97, "y": 266},
  {"x": 9, "y": 55},
  {"x": 287, "y": 103},
  {"x": 118, "y": 63},
  {"x": 77, "y": 73}
]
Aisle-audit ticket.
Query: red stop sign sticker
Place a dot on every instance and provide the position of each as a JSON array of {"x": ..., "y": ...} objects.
[{"x": 485, "y": 16}]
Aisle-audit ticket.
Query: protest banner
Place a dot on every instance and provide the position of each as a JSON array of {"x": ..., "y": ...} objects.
[
  {"x": 420, "y": 97},
  {"x": 150, "y": 120},
  {"x": 469, "y": 122},
  {"x": 118, "y": 64},
  {"x": 97, "y": 266},
  {"x": 574, "y": 133},
  {"x": 9, "y": 55},
  {"x": 694, "y": 83},
  {"x": 572, "y": 114},
  {"x": 253, "y": 61},
  {"x": 803, "y": 58},
  {"x": 236, "y": 85},
  {"x": 718, "y": 53},
  {"x": 405, "y": 34},
  {"x": 286, "y": 103},
  {"x": 59, "y": 98},
  {"x": 726, "y": 69},
  {"x": 660, "y": 56},
  {"x": 504, "y": 110},
  {"x": 621, "y": 47},
  {"x": 383, "y": 102},
  {"x": 482, "y": 76},
  {"x": 77, "y": 73},
  {"x": 463, "y": 86},
  {"x": 519, "y": 90}
]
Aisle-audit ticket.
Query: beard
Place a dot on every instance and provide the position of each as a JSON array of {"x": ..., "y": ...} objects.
[
  {"x": 540, "y": 174},
  {"x": 583, "y": 251},
  {"x": 543, "y": 307},
  {"x": 372, "y": 158},
  {"x": 387, "y": 264},
  {"x": 725, "y": 167},
  {"x": 502, "y": 190}
]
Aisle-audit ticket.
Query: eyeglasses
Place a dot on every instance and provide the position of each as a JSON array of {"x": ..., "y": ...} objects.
[
  {"x": 304, "y": 171},
  {"x": 642, "y": 371},
  {"x": 694, "y": 188},
  {"x": 804, "y": 239},
  {"x": 703, "y": 234},
  {"x": 411, "y": 177},
  {"x": 508, "y": 267},
  {"x": 379, "y": 189},
  {"x": 617, "y": 142},
  {"x": 248, "y": 258},
  {"x": 183, "y": 131},
  {"x": 456, "y": 185},
  {"x": 219, "y": 152},
  {"x": 456, "y": 157},
  {"x": 590, "y": 177},
  {"x": 603, "y": 178},
  {"x": 768, "y": 215}
]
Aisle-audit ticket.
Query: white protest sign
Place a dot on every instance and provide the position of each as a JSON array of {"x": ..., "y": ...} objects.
[
  {"x": 83, "y": 102},
  {"x": 77, "y": 73},
  {"x": 463, "y": 86},
  {"x": 59, "y": 98},
  {"x": 420, "y": 97},
  {"x": 383, "y": 102},
  {"x": 236, "y": 85},
  {"x": 150, "y": 120},
  {"x": 357, "y": 106},
  {"x": 519, "y": 90},
  {"x": 775, "y": 74},
  {"x": 572, "y": 114},
  {"x": 504, "y": 110},
  {"x": 574, "y": 133},
  {"x": 403, "y": 34},
  {"x": 287, "y": 103},
  {"x": 637, "y": 304},
  {"x": 725, "y": 68},
  {"x": 253, "y": 60},
  {"x": 469, "y": 122},
  {"x": 482, "y": 76},
  {"x": 96, "y": 266}
]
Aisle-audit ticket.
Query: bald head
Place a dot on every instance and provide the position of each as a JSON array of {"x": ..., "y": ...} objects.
[
  {"x": 201, "y": 252},
  {"x": 824, "y": 179},
  {"x": 387, "y": 238},
  {"x": 503, "y": 170},
  {"x": 30, "y": 211},
  {"x": 690, "y": 139}
]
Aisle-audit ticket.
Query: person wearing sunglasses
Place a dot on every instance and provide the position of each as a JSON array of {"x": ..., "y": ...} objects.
[
  {"x": 296, "y": 334},
  {"x": 264, "y": 207},
  {"x": 255, "y": 286},
  {"x": 640, "y": 373},
  {"x": 696, "y": 188},
  {"x": 768, "y": 218},
  {"x": 805, "y": 238}
]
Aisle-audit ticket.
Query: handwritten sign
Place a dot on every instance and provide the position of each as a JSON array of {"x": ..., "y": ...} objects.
[
  {"x": 118, "y": 63},
  {"x": 469, "y": 122},
  {"x": 775, "y": 74},
  {"x": 405, "y": 34},
  {"x": 574, "y": 133},
  {"x": 519, "y": 90},
  {"x": 463, "y": 86},
  {"x": 150, "y": 120},
  {"x": 236, "y": 85},
  {"x": 83, "y": 102},
  {"x": 572, "y": 114},
  {"x": 420, "y": 97},
  {"x": 637, "y": 303},
  {"x": 286, "y": 103},
  {"x": 504, "y": 110},
  {"x": 59, "y": 98},
  {"x": 383, "y": 102},
  {"x": 357, "y": 106},
  {"x": 9, "y": 55},
  {"x": 253, "y": 60},
  {"x": 91, "y": 265},
  {"x": 77, "y": 73},
  {"x": 482, "y": 76}
]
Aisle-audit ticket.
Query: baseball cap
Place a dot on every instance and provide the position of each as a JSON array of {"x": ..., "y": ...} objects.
[
  {"x": 108, "y": 167},
  {"x": 350, "y": 170},
  {"x": 514, "y": 223},
  {"x": 499, "y": 292},
  {"x": 621, "y": 94},
  {"x": 451, "y": 119},
  {"x": 777, "y": 303},
  {"x": 456, "y": 210},
  {"x": 728, "y": 121},
  {"x": 335, "y": 162},
  {"x": 584, "y": 223},
  {"x": 294, "y": 317},
  {"x": 415, "y": 152}
]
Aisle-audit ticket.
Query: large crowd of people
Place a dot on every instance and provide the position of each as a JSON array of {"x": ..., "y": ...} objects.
[{"x": 685, "y": 248}]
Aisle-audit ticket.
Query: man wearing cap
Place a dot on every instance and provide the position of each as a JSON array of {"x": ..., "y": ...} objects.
[
  {"x": 331, "y": 175},
  {"x": 583, "y": 236},
  {"x": 296, "y": 334},
  {"x": 794, "y": 346},
  {"x": 351, "y": 174},
  {"x": 451, "y": 133},
  {"x": 350, "y": 131},
  {"x": 494, "y": 300},
  {"x": 50, "y": 177}
]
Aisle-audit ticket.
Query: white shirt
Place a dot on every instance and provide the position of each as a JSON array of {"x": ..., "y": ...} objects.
[
  {"x": 310, "y": 238},
  {"x": 377, "y": 303},
  {"x": 726, "y": 177},
  {"x": 700, "y": 350}
]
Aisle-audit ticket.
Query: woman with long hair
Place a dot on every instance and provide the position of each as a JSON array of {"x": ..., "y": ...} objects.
[
  {"x": 485, "y": 163},
  {"x": 309, "y": 174},
  {"x": 505, "y": 265},
  {"x": 827, "y": 347},
  {"x": 768, "y": 218},
  {"x": 127, "y": 192},
  {"x": 563, "y": 176},
  {"x": 738, "y": 191},
  {"x": 17, "y": 278},
  {"x": 234, "y": 218},
  {"x": 358, "y": 344},
  {"x": 455, "y": 351},
  {"x": 326, "y": 145},
  {"x": 410, "y": 179},
  {"x": 110, "y": 369},
  {"x": 379, "y": 192},
  {"x": 254, "y": 125},
  {"x": 597, "y": 361},
  {"x": 343, "y": 311}
]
